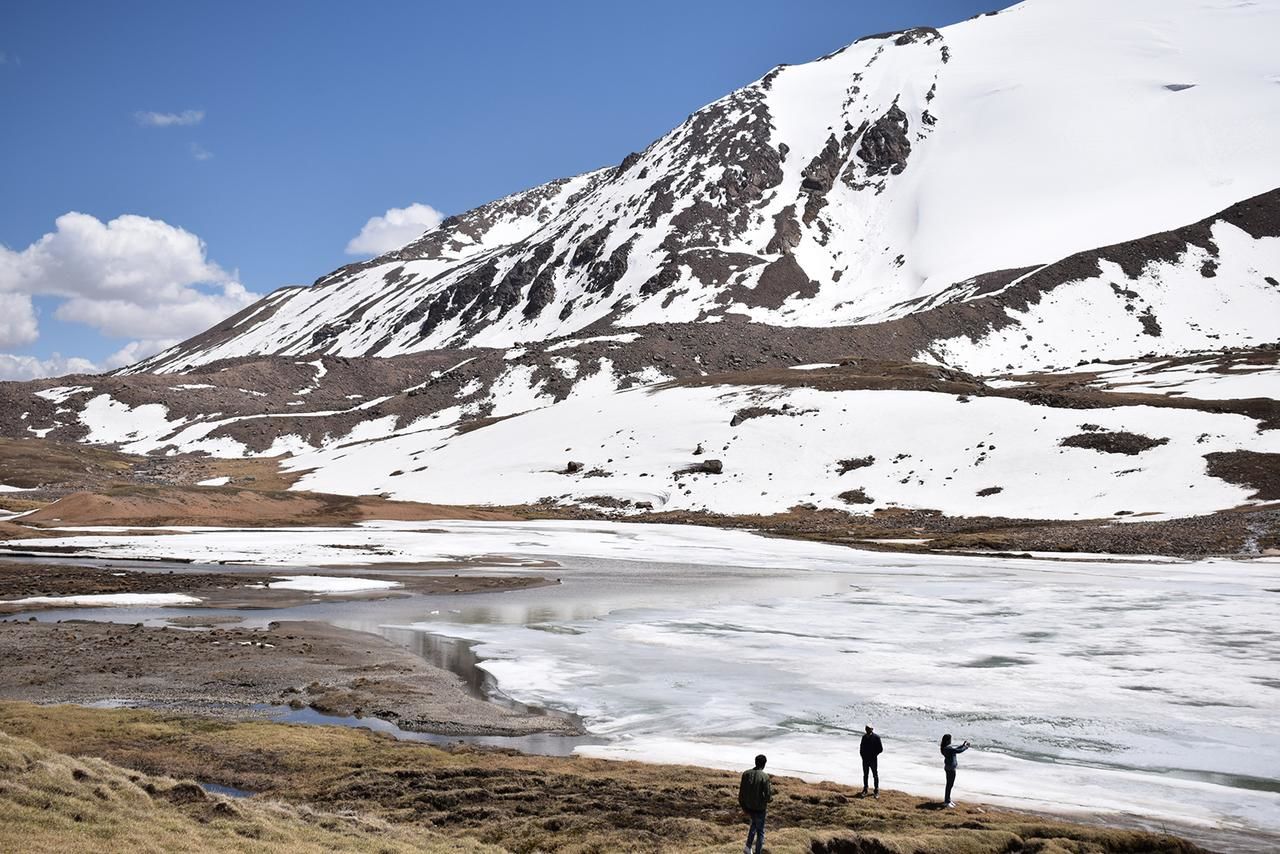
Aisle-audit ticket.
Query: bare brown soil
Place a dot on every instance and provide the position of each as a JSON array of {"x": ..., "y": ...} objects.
[
  {"x": 1248, "y": 468},
  {"x": 530, "y": 804},
  {"x": 34, "y": 579},
  {"x": 33, "y": 463},
  {"x": 224, "y": 670}
]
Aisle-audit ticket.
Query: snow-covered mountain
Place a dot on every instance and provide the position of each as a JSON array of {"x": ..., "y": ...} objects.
[
  {"x": 1024, "y": 266},
  {"x": 857, "y": 188}
]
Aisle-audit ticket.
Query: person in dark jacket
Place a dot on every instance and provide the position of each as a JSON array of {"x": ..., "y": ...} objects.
[
  {"x": 754, "y": 793},
  {"x": 870, "y": 750},
  {"x": 950, "y": 763}
]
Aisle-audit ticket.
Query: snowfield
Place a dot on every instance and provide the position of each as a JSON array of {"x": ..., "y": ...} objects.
[
  {"x": 856, "y": 451},
  {"x": 926, "y": 450}
]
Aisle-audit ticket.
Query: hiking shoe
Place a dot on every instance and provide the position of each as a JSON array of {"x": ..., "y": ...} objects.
[
  {"x": 876, "y": 796},
  {"x": 951, "y": 805}
]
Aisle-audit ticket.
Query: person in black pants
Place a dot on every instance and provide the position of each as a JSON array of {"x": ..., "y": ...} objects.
[
  {"x": 754, "y": 793},
  {"x": 870, "y": 750},
  {"x": 950, "y": 763}
]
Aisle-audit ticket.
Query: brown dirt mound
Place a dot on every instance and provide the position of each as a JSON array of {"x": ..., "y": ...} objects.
[{"x": 232, "y": 507}]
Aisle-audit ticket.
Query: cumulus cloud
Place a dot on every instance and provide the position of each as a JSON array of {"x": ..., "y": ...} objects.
[
  {"x": 394, "y": 229},
  {"x": 133, "y": 277},
  {"x": 128, "y": 256},
  {"x": 146, "y": 118},
  {"x": 122, "y": 318},
  {"x": 17, "y": 320},
  {"x": 31, "y": 368}
]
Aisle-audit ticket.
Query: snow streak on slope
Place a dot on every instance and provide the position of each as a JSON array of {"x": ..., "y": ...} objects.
[{"x": 830, "y": 193}]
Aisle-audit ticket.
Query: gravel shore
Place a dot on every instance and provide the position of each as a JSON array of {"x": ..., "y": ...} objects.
[{"x": 226, "y": 670}]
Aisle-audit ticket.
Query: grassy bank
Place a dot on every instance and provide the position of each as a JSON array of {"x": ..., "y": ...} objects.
[
  {"x": 51, "y": 803},
  {"x": 316, "y": 782}
]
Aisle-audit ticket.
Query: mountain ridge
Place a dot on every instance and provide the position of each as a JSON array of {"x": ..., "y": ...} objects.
[{"x": 834, "y": 192}]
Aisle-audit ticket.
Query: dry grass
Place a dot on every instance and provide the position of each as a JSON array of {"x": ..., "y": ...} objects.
[
  {"x": 54, "y": 803},
  {"x": 531, "y": 803},
  {"x": 230, "y": 506}
]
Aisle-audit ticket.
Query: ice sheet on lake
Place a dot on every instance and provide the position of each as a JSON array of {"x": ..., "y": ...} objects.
[
  {"x": 1147, "y": 690},
  {"x": 1100, "y": 687}
]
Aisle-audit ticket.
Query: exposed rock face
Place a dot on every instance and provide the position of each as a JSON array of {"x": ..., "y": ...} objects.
[
  {"x": 779, "y": 281},
  {"x": 886, "y": 145}
]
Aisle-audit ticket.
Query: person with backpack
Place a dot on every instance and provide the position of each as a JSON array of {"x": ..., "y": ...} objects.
[
  {"x": 754, "y": 793},
  {"x": 950, "y": 763},
  {"x": 870, "y": 749}
]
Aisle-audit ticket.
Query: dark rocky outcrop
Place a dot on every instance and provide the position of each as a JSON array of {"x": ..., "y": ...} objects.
[
  {"x": 885, "y": 146},
  {"x": 1118, "y": 442},
  {"x": 779, "y": 281},
  {"x": 846, "y": 466},
  {"x": 704, "y": 467}
]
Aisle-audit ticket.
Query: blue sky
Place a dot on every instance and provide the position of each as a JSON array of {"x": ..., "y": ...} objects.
[{"x": 247, "y": 144}]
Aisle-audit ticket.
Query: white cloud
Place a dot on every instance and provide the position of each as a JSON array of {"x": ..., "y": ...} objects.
[
  {"x": 123, "y": 318},
  {"x": 394, "y": 229},
  {"x": 31, "y": 368},
  {"x": 125, "y": 257},
  {"x": 17, "y": 320},
  {"x": 132, "y": 277},
  {"x": 146, "y": 118},
  {"x": 199, "y": 152}
]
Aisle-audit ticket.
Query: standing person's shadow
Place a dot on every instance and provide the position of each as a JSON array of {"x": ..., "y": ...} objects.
[{"x": 932, "y": 805}]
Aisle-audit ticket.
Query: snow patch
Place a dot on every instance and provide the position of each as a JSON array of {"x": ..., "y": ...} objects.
[{"x": 89, "y": 600}]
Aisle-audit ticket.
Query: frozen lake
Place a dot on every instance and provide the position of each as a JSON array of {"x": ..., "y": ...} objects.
[{"x": 1147, "y": 689}]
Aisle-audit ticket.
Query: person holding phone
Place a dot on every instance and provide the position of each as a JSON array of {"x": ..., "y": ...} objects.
[{"x": 950, "y": 763}]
